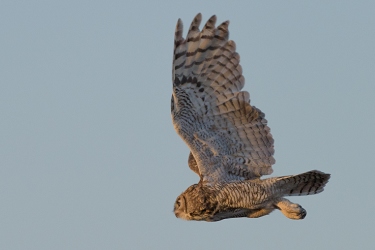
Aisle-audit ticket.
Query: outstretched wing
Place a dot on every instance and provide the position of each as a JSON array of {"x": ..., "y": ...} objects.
[{"x": 229, "y": 139}]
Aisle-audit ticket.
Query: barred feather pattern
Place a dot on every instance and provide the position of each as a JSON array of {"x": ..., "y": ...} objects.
[
  {"x": 311, "y": 182},
  {"x": 249, "y": 198},
  {"x": 209, "y": 110},
  {"x": 230, "y": 144}
]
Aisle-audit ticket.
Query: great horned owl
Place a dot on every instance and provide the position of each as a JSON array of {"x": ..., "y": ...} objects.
[{"x": 231, "y": 145}]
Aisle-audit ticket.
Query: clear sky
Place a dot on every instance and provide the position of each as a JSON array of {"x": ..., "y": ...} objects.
[{"x": 88, "y": 155}]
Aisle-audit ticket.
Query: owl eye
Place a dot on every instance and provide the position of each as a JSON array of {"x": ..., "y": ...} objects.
[{"x": 178, "y": 202}]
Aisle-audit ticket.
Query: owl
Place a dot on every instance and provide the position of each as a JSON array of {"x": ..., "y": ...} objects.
[{"x": 230, "y": 144}]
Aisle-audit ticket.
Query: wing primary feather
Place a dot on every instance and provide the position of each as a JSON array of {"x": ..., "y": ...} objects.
[{"x": 228, "y": 137}]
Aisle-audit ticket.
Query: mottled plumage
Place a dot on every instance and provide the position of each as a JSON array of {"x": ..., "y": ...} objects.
[{"x": 231, "y": 145}]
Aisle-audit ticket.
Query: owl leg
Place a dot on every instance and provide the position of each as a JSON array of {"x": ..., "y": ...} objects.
[
  {"x": 291, "y": 210},
  {"x": 259, "y": 212}
]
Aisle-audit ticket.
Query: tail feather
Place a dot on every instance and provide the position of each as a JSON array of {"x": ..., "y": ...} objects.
[{"x": 308, "y": 183}]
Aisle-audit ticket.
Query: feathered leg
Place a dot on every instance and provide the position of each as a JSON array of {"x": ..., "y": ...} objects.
[{"x": 260, "y": 212}]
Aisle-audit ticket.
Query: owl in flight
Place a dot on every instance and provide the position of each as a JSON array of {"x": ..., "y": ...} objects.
[{"x": 230, "y": 144}]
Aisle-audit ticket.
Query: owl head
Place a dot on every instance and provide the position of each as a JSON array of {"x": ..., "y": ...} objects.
[{"x": 195, "y": 204}]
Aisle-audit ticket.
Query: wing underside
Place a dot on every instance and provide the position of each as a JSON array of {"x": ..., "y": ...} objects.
[{"x": 228, "y": 138}]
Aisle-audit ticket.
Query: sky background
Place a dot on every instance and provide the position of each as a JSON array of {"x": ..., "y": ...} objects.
[{"x": 89, "y": 158}]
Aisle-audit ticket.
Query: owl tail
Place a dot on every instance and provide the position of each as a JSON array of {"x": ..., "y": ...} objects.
[{"x": 308, "y": 183}]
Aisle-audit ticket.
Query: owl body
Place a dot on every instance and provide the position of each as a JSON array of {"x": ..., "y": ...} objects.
[
  {"x": 248, "y": 198},
  {"x": 231, "y": 146}
]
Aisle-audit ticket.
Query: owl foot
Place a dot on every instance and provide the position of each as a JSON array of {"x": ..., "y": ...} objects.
[{"x": 291, "y": 210}]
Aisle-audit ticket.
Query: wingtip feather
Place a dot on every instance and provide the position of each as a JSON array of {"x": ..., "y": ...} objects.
[{"x": 179, "y": 30}]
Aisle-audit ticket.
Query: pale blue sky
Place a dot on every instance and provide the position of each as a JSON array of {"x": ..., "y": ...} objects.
[{"x": 88, "y": 155}]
